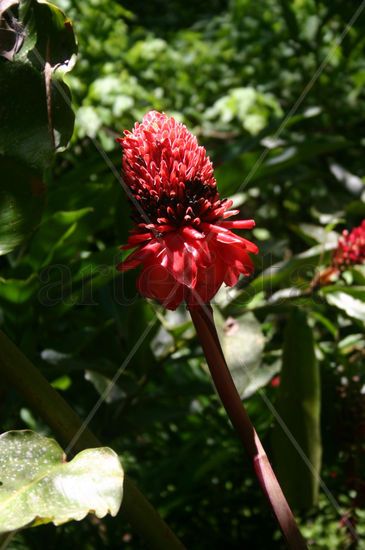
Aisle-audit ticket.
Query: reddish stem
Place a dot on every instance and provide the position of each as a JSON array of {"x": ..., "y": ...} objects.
[{"x": 202, "y": 317}]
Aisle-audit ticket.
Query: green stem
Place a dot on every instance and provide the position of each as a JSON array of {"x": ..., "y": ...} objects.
[
  {"x": 203, "y": 320},
  {"x": 17, "y": 371}
]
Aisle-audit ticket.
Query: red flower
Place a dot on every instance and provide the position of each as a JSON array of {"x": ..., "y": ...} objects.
[
  {"x": 182, "y": 237},
  {"x": 275, "y": 382},
  {"x": 351, "y": 248}
]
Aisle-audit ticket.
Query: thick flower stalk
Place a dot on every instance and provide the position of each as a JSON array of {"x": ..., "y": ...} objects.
[
  {"x": 184, "y": 243},
  {"x": 182, "y": 235}
]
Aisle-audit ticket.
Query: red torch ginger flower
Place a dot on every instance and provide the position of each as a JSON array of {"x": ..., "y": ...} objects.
[
  {"x": 182, "y": 236},
  {"x": 350, "y": 251},
  {"x": 351, "y": 248}
]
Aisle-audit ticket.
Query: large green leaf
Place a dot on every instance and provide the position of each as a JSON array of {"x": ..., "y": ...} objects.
[
  {"x": 50, "y": 35},
  {"x": 296, "y": 438},
  {"x": 35, "y": 124},
  {"x": 21, "y": 202},
  {"x": 38, "y": 486},
  {"x": 24, "y": 129},
  {"x": 243, "y": 343},
  {"x": 351, "y": 300},
  {"x": 279, "y": 274}
]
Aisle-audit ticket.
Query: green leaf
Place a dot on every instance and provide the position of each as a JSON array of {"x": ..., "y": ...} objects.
[
  {"x": 59, "y": 228},
  {"x": 297, "y": 429},
  {"x": 290, "y": 18},
  {"x": 21, "y": 203},
  {"x": 71, "y": 216},
  {"x": 355, "y": 208},
  {"x": 55, "y": 39},
  {"x": 35, "y": 124},
  {"x": 105, "y": 387},
  {"x": 351, "y": 343},
  {"x": 11, "y": 36},
  {"x": 18, "y": 291},
  {"x": 232, "y": 174},
  {"x": 279, "y": 274},
  {"x": 350, "y": 300},
  {"x": 357, "y": 275},
  {"x": 243, "y": 343},
  {"x": 38, "y": 486},
  {"x": 314, "y": 234},
  {"x": 24, "y": 129}
]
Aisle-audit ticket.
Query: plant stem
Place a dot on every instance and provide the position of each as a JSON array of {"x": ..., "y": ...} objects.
[
  {"x": 17, "y": 371},
  {"x": 203, "y": 320}
]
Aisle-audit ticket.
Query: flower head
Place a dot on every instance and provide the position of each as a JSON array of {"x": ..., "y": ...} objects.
[
  {"x": 351, "y": 248},
  {"x": 181, "y": 236}
]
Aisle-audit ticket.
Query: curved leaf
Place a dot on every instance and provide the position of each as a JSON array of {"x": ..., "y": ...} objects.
[
  {"x": 38, "y": 486},
  {"x": 243, "y": 343},
  {"x": 21, "y": 203},
  {"x": 24, "y": 129},
  {"x": 350, "y": 300},
  {"x": 52, "y": 34},
  {"x": 35, "y": 124}
]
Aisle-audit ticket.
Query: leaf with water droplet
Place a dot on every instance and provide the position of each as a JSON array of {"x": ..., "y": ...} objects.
[{"x": 38, "y": 486}]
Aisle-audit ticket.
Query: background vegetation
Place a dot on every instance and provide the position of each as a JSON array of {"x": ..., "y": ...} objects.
[{"x": 233, "y": 71}]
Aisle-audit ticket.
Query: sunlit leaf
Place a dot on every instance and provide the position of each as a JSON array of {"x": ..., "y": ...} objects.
[
  {"x": 350, "y": 300},
  {"x": 353, "y": 183},
  {"x": 314, "y": 234},
  {"x": 51, "y": 33},
  {"x": 38, "y": 486},
  {"x": 243, "y": 343}
]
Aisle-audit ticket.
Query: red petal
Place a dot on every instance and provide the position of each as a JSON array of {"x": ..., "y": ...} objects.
[
  {"x": 231, "y": 277},
  {"x": 239, "y": 224},
  {"x": 139, "y": 256},
  {"x": 157, "y": 283},
  {"x": 230, "y": 213},
  {"x": 192, "y": 233},
  {"x": 180, "y": 258},
  {"x": 137, "y": 238}
]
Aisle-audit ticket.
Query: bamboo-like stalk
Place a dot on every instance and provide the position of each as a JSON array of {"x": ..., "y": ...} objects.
[
  {"x": 203, "y": 320},
  {"x": 17, "y": 371}
]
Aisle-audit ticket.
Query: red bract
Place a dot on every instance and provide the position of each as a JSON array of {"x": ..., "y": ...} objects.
[
  {"x": 351, "y": 248},
  {"x": 182, "y": 235}
]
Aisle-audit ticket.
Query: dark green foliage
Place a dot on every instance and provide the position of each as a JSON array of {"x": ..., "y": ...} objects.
[
  {"x": 24, "y": 131},
  {"x": 232, "y": 71},
  {"x": 298, "y": 408},
  {"x": 21, "y": 203}
]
